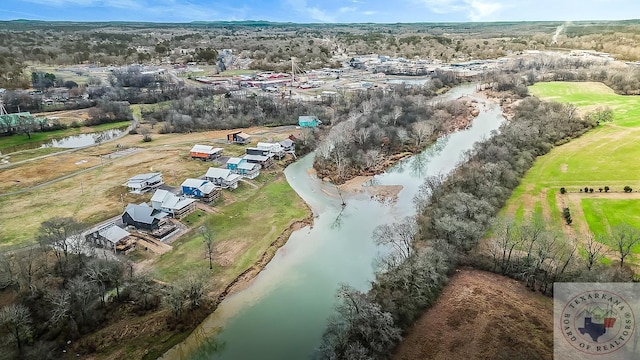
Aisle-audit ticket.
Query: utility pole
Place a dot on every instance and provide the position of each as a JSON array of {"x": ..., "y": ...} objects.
[{"x": 81, "y": 187}]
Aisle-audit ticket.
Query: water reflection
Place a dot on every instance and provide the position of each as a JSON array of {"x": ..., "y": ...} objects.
[{"x": 76, "y": 141}]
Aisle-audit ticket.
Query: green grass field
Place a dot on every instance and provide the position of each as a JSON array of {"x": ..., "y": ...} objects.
[
  {"x": 244, "y": 227},
  {"x": 605, "y": 156},
  {"x": 589, "y": 96}
]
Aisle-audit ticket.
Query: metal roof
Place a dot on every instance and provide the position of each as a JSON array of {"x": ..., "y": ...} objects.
[
  {"x": 256, "y": 157},
  {"x": 286, "y": 142},
  {"x": 247, "y": 166},
  {"x": 144, "y": 213},
  {"x": 205, "y": 149},
  {"x": 218, "y": 173},
  {"x": 193, "y": 183},
  {"x": 235, "y": 160},
  {"x": 168, "y": 200},
  {"x": 142, "y": 177},
  {"x": 113, "y": 233}
]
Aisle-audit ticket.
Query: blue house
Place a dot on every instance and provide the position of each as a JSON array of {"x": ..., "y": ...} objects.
[
  {"x": 233, "y": 162},
  {"x": 243, "y": 168},
  {"x": 200, "y": 189},
  {"x": 308, "y": 121}
]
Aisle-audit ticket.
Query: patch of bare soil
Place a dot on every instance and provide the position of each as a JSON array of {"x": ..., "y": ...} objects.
[
  {"x": 564, "y": 168},
  {"x": 481, "y": 315},
  {"x": 385, "y": 193}
]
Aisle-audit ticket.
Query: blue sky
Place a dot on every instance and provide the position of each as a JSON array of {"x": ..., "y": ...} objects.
[{"x": 346, "y": 11}]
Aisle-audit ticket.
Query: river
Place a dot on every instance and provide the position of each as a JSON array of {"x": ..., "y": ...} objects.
[{"x": 283, "y": 313}]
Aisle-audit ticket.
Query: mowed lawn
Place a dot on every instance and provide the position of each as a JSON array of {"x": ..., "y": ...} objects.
[
  {"x": 605, "y": 156},
  {"x": 604, "y": 214},
  {"x": 243, "y": 230}
]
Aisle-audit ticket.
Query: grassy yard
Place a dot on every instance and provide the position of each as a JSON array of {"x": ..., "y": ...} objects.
[
  {"x": 243, "y": 230},
  {"x": 605, "y": 156}
]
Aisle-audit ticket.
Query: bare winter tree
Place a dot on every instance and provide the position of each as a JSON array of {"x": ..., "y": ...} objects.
[
  {"x": 207, "y": 238},
  {"x": 400, "y": 236},
  {"x": 422, "y": 130},
  {"x": 16, "y": 320},
  {"x": 623, "y": 238},
  {"x": 360, "y": 329},
  {"x": 595, "y": 250},
  {"x": 61, "y": 236}
]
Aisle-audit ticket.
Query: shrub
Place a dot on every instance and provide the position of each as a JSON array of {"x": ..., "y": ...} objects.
[
  {"x": 600, "y": 189},
  {"x": 628, "y": 189},
  {"x": 563, "y": 190},
  {"x": 586, "y": 189},
  {"x": 590, "y": 190},
  {"x": 606, "y": 189},
  {"x": 567, "y": 215},
  {"x": 146, "y": 137}
]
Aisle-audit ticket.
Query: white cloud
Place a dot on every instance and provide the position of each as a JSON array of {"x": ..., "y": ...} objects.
[
  {"x": 347, "y": 9},
  {"x": 481, "y": 10},
  {"x": 313, "y": 12},
  {"x": 475, "y": 10},
  {"x": 369, "y": 12}
]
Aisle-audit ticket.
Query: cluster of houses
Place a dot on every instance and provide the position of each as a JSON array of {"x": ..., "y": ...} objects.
[{"x": 153, "y": 217}]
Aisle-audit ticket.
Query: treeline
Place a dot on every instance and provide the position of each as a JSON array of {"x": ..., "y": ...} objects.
[
  {"x": 57, "y": 293},
  {"x": 204, "y": 111},
  {"x": 516, "y": 75},
  {"x": 453, "y": 215},
  {"x": 371, "y": 126}
]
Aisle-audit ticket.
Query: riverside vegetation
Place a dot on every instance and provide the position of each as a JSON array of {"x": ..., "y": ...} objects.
[{"x": 454, "y": 213}]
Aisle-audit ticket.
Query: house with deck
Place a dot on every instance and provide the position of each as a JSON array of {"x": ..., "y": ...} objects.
[
  {"x": 288, "y": 146},
  {"x": 223, "y": 178},
  {"x": 263, "y": 161},
  {"x": 143, "y": 216},
  {"x": 274, "y": 148},
  {"x": 233, "y": 162},
  {"x": 110, "y": 236},
  {"x": 142, "y": 183},
  {"x": 243, "y": 168},
  {"x": 257, "y": 151},
  {"x": 204, "y": 190},
  {"x": 177, "y": 206},
  {"x": 205, "y": 152},
  {"x": 238, "y": 137},
  {"x": 308, "y": 121},
  {"x": 248, "y": 170}
]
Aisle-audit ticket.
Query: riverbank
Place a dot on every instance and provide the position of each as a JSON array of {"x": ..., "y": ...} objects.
[{"x": 244, "y": 279}]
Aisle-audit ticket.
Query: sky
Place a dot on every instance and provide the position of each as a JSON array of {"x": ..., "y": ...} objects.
[{"x": 320, "y": 11}]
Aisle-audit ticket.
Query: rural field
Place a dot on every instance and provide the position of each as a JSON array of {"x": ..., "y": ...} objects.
[
  {"x": 92, "y": 192},
  {"x": 481, "y": 315},
  {"x": 603, "y": 157}
]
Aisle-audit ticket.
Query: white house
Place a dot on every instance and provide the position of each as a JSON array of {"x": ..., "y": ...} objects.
[
  {"x": 168, "y": 202},
  {"x": 144, "y": 182},
  {"x": 224, "y": 178},
  {"x": 274, "y": 148}
]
